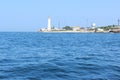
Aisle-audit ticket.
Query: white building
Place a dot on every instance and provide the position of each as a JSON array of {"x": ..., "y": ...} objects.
[
  {"x": 76, "y": 28},
  {"x": 100, "y": 30},
  {"x": 49, "y": 24}
]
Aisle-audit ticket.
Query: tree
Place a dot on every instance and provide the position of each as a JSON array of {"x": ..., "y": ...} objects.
[
  {"x": 67, "y": 28},
  {"x": 107, "y": 27}
]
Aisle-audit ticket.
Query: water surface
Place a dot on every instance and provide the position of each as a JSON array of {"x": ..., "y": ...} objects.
[{"x": 59, "y": 56}]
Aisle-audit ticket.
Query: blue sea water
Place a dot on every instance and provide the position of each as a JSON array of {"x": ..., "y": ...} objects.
[{"x": 59, "y": 56}]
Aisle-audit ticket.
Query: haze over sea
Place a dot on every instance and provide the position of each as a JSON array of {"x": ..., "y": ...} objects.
[{"x": 59, "y": 56}]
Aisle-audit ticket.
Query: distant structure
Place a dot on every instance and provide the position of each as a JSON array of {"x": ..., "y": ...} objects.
[
  {"x": 116, "y": 28},
  {"x": 118, "y": 22},
  {"x": 93, "y": 26},
  {"x": 76, "y": 28},
  {"x": 49, "y": 24}
]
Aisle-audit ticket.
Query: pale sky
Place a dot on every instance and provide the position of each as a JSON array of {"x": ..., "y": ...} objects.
[{"x": 30, "y": 15}]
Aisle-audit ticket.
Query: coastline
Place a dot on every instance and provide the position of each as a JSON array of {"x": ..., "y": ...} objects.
[{"x": 72, "y": 32}]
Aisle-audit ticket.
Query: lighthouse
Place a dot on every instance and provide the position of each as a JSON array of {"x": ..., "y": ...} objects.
[{"x": 49, "y": 24}]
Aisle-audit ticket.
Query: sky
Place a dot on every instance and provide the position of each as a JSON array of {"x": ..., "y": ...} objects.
[{"x": 31, "y": 15}]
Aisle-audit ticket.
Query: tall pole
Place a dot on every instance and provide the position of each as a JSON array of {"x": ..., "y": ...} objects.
[
  {"x": 118, "y": 22},
  {"x": 59, "y": 24},
  {"x": 87, "y": 23}
]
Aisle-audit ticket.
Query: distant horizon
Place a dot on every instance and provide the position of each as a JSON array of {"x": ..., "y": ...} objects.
[{"x": 31, "y": 15}]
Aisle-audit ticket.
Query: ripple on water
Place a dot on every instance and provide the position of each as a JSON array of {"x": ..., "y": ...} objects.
[{"x": 47, "y": 56}]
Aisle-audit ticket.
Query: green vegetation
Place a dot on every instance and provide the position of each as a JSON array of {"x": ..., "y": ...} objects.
[
  {"x": 107, "y": 27},
  {"x": 67, "y": 28},
  {"x": 53, "y": 27}
]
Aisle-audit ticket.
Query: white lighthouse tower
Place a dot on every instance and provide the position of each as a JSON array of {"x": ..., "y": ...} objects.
[{"x": 49, "y": 24}]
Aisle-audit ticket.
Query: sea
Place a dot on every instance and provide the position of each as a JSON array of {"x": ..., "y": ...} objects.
[{"x": 59, "y": 56}]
